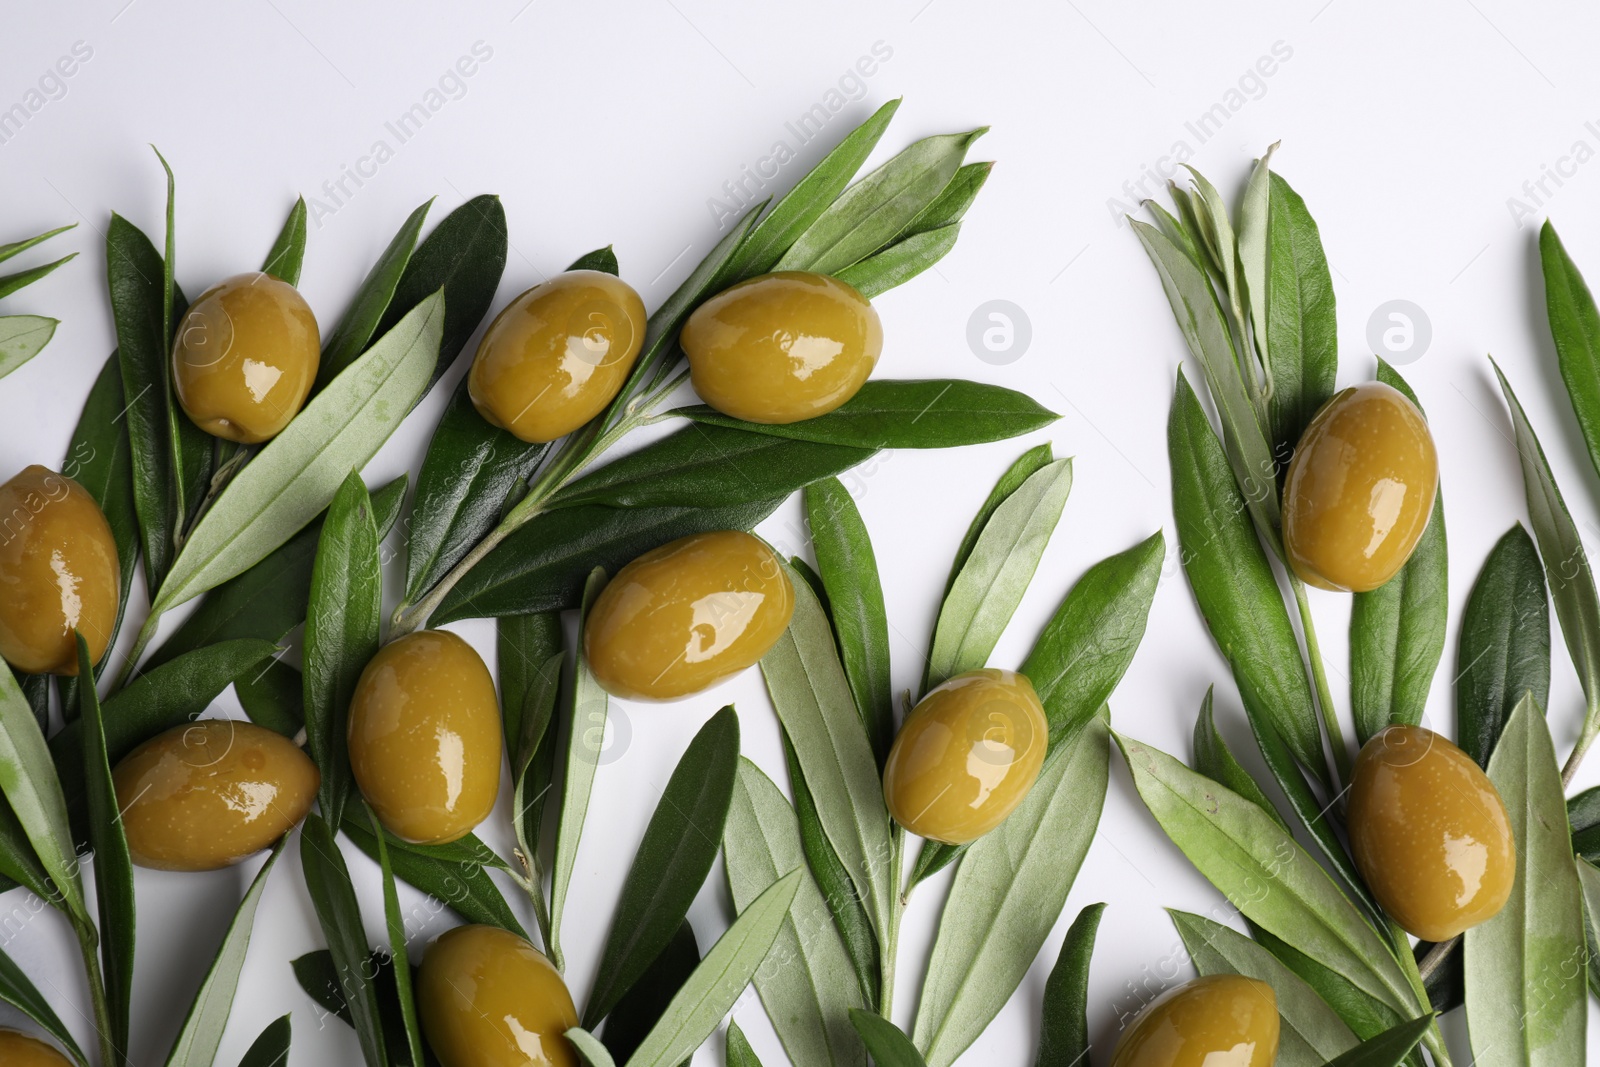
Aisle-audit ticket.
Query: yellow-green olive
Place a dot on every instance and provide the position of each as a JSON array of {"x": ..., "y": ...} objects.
[
  {"x": 20, "y": 1050},
  {"x": 58, "y": 572},
  {"x": 425, "y": 737},
  {"x": 489, "y": 999},
  {"x": 782, "y": 347},
  {"x": 206, "y": 795},
  {"x": 245, "y": 357},
  {"x": 557, "y": 354},
  {"x": 1429, "y": 833},
  {"x": 1360, "y": 489},
  {"x": 1221, "y": 1020},
  {"x": 684, "y": 616},
  {"x": 966, "y": 756}
]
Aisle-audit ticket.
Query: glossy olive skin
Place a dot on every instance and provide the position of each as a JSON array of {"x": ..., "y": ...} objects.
[
  {"x": 58, "y": 571},
  {"x": 205, "y": 795},
  {"x": 1429, "y": 833},
  {"x": 558, "y": 354},
  {"x": 425, "y": 737},
  {"x": 782, "y": 347},
  {"x": 966, "y": 756},
  {"x": 684, "y": 616},
  {"x": 20, "y": 1050},
  {"x": 1360, "y": 489},
  {"x": 487, "y": 998},
  {"x": 245, "y": 357},
  {"x": 1221, "y": 1020}
]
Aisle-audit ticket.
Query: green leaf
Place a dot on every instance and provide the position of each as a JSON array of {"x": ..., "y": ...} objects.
[
  {"x": 812, "y": 698},
  {"x": 1026, "y": 465},
  {"x": 289, "y": 250},
  {"x": 1254, "y": 246},
  {"x": 530, "y": 658},
  {"x": 1575, "y": 326},
  {"x": 810, "y": 997},
  {"x": 1583, "y": 812},
  {"x": 716, "y": 984},
  {"x": 274, "y": 697},
  {"x": 453, "y": 874},
  {"x": 1397, "y": 629},
  {"x": 849, "y": 573},
  {"x": 589, "y": 1048},
  {"x": 1387, "y": 1049},
  {"x": 113, "y": 867},
  {"x": 19, "y": 991},
  {"x": 296, "y": 475},
  {"x": 1526, "y": 1002},
  {"x": 271, "y": 1049},
  {"x": 1300, "y": 325},
  {"x": 22, "y": 337},
  {"x": 395, "y": 927},
  {"x": 1216, "y": 761},
  {"x": 1366, "y": 1015},
  {"x": 710, "y": 466},
  {"x": 900, "y": 262},
  {"x": 10, "y": 283},
  {"x": 318, "y": 975},
  {"x": 541, "y": 567},
  {"x": 738, "y": 1052},
  {"x": 933, "y": 413},
  {"x": 997, "y": 572},
  {"x": 359, "y": 325},
  {"x": 1504, "y": 648},
  {"x": 328, "y": 883},
  {"x": 873, "y": 211},
  {"x": 1233, "y": 581},
  {"x": 637, "y": 1013},
  {"x": 16, "y": 248},
  {"x": 1589, "y": 878},
  {"x": 889, "y": 1045},
  {"x": 1008, "y": 894},
  {"x": 672, "y": 862},
  {"x": 1311, "y": 1032},
  {"x": 1064, "y": 1028},
  {"x": 951, "y": 205},
  {"x": 28, "y": 781},
  {"x": 601, "y": 259},
  {"x": 207, "y": 1020}
]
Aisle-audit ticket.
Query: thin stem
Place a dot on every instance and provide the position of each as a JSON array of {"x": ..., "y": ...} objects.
[
  {"x": 1436, "y": 957},
  {"x": 1581, "y": 750},
  {"x": 890, "y": 944},
  {"x": 152, "y": 622},
  {"x": 89, "y": 945},
  {"x": 1319, "y": 677}
]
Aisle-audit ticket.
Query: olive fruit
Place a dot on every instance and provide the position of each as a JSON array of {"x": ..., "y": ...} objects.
[
  {"x": 489, "y": 999},
  {"x": 1360, "y": 489},
  {"x": 1429, "y": 833},
  {"x": 1221, "y": 1020},
  {"x": 245, "y": 357},
  {"x": 20, "y": 1050},
  {"x": 425, "y": 737},
  {"x": 966, "y": 756},
  {"x": 684, "y": 616},
  {"x": 557, "y": 355},
  {"x": 58, "y": 572},
  {"x": 205, "y": 795},
  {"x": 782, "y": 347}
]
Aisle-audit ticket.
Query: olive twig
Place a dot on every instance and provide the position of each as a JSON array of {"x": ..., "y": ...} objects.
[
  {"x": 1579, "y": 751},
  {"x": 89, "y": 945},
  {"x": 1436, "y": 957},
  {"x": 890, "y": 942},
  {"x": 1319, "y": 677},
  {"x": 147, "y": 631}
]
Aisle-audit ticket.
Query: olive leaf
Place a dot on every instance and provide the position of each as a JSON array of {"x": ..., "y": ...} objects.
[
  {"x": 932, "y": 413},
  {"x": 1311, "y": 1032},
  {"x": 716, "y": 984},
  {"x": 113, "y": 867},
  {"x": 642, "y": 1005},
  {"x": 359, "y": 324},
  {"x": 1366, "y": 1015},
  {"x": 18, "y": 990},
  {"x": 1008, "y": 894},
  {"x": 809, "y": 998},
  {"x": 11, "y": 283},
  {"x": 996, "y": 573},
  {"x": 271, "y": 1049},
  {"x": 288, "y": 252},
  {"x": 1397, "y": 630},
  {"x": 1216, "y": 761},
  {"x": 1575, "y": 327},
  {"x": 395, "y": 927},
  {"x": 22, "y": 337},
  {"x": 849, "y": 573},
  {"x": 16, "y": 248},
  {"x": 318, "y": 976},
  {"x": 1525, "y": 966},
  {"x": 1504, "y": 647},
  {"x": 207, "y": 1019},
  {"x": 296, "y": 475},
  {"x": 589, "y": 1048},
  {"x": 530, "y": 657},
  {"x": 889, "y": 1045},
  {"x": 1589, "y": 878},
  {"x": 541, "y": 567},
  {"x": 453, "y": 874},
  {"x": 673, "y": 859},
  {"x": 328, "y": 883},
  {"x": 1583, "y": 812},
  {"x": 1298, "y": 328},
  {"x": 1064, "y": 1026},
  {"x": 1254, "y": 247},
  {"x": 951, "y": 205},
  {"x": 901, "y": 261},
  {"x": 28, "y": 781},
  {"x": 601, "y": 259},
  {"x": 1025, "y": 466},
  {"x": 1388, "y": 1048},
  {"x": 812, "y": 697},
  {"x": 738, "y": 1052}
]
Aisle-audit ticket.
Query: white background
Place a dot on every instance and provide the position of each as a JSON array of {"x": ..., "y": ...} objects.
[{"x": 1405, "y": 127}]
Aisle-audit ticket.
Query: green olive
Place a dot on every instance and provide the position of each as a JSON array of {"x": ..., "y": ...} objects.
[
  {"x": 782, "y": 347},
  {"x": 1221, "y": 1020},
  {"x": 489, "y": 999},
  {"x": 1429, "y": 833},
  {"x": 1360, "y": 489},
  {"x": 966, "y": 756},
  {"x": 425, "y": 737},
  {"x": 58, "y": 572},
  {"x": 684, "y": 616},
  {"x": 205, "y": 795},
  {"x": 557, "y": 354},
  {"x": 20, "y": 1050},
  {"x": 245, "y": 357}
]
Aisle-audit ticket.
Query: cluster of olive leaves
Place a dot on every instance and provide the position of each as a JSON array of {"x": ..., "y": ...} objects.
[
  {"x": 24, "y": 336},
  {"x": 1256, "y": 307},
  {"x": 270, "y": 539}
]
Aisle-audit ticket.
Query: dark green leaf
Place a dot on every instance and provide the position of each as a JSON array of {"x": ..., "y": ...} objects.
[
  {"x": 395, "y": 927},
  {"x": 1504, "y": 649},
  {"x": 1301, "y": 331},
  {"x": 542, "y": 566},
  {"x": 10, "y": 283},
  {"x": 1213, "y": 759},
  {"x": 1388, "y": 1048},
  {"x": 1064, "y": 1030},
  {"x": 36, "y": 690},
  {"x": 601, "y": 259},
  {"x": 900, "y": 262},
  {"x": 642, "y": 1005},
  {"x": 328, "y": 883},
  {"x": 889, "y": 1045},
  {"x": 526, "y": 645},
  {"x": 359, "y": 325},
  {"x": 1575, "y": 326},
  {"x": 19, "y": 864},
  {"x": 1446, "y": 985},
  {"x": 274, "y": 697},
  {"x": 1583, "y": 812},
  {"x": 288, "y": 255},
  {"x": 317, "y": 975},
  {"x": 15, "y": 248},
  {"x": 271, "y": 1049},
  {"x": 19, "y": 991},
  {"x": 1025, "y": 467},
  {"x": 452, "y": 874},
  {"x": 738, "y": 1052},
  {"x": 1364, "y": 1014}
]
